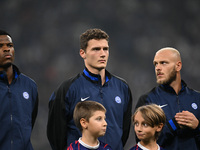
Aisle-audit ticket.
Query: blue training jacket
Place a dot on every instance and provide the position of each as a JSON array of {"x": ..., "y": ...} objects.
[
  {"x": 172, "y": 136},
  {"x": 115, "y": 95},
  {"x": 18, "y": 111}
]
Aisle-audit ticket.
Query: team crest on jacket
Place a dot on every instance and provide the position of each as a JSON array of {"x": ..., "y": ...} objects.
[
  {"x": 118, "y": 100},
  {"x": 26, "y": 95},
  {"x": 194, "y": 106}
]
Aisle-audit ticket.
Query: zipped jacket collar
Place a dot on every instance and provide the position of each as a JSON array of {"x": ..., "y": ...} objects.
[
  {"x": 96, "y": 78},
  {"x": 168, "y": 88},
  {"x": 3, "y": 75}
]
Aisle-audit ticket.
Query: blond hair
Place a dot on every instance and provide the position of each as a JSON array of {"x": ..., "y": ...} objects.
[{"x": 152, "y": 114}]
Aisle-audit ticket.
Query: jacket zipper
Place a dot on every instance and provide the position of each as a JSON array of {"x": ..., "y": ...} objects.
[
  {"x": 178, "y": 101},
  {"x": 101, "y": 95},
  {"x": 11, "y": 118}
]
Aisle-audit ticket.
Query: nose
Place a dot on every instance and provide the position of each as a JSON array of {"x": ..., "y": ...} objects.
[
  {"x": 103, "y": 52},
  {"x": 105, "y": 123},
  {"x": 6, "y": 50},
  {"x": 138, "y": 128}
]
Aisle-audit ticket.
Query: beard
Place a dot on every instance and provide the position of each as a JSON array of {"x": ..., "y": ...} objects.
[{"x": 170, "y": 79}]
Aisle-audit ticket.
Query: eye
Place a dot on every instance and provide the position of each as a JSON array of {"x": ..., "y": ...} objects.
[
  {"x": 155, "y": 64},
  {"x": 163, "y": 62},
  {"x": 105, "y": 48},
  {"x": 145, "y": 125},
  {"x": 136, "y": 124},
  {"x": 96, "y": 48},
  {"x": 10, "y": 45},
  {"x": 99, "y": 118}
]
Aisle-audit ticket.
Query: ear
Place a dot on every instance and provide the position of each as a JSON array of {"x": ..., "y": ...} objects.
[
  {"x": 178, "y": 66},
  {"x": 159, "y": 127},
  {"x": 83, "y": 123},
  {"x": 82, "y": 53}
]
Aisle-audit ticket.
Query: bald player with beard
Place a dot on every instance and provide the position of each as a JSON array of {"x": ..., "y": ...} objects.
[{"x": 180, "y": 103}]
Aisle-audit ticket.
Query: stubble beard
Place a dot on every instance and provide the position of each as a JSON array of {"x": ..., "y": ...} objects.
[{"x": 170, "y": 79}]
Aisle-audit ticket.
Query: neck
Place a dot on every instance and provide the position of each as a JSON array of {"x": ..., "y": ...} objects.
[
  {"x": 176, "y": 85},
  {"x": 152, "y": 145},
  {"x": 103, "y": 77},
  {"x": 89, "y": 139}
]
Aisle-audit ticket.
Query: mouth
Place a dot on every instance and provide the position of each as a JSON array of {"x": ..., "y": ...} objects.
[
  {"x": 7, "y": 55},
  {"x": 159, "y": 74},
  {"x": 139, "y": 134},
  {"x": 102, "y": 61}
]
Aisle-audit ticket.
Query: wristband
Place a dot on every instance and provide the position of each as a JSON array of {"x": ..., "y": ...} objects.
[{"x": 173, "y": 125}]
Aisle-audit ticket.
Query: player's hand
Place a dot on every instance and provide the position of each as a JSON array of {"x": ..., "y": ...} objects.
[{"x": 186, "y": 118}]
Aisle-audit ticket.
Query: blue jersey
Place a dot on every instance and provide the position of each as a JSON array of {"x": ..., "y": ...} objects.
[{"x": 77, "y": 146}]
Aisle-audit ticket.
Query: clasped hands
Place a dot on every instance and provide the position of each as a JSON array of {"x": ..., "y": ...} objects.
[{"x": 186, "y": 118}]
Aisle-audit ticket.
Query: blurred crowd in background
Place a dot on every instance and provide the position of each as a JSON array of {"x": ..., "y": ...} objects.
[{"x": 46, "y": 39}]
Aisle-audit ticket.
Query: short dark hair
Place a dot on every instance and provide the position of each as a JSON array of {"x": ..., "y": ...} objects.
[
  {"x": 89, "y": 34},
  {"x": 2, "y": 32},
  {"x": 152, "y": 114},
  {"x": 85, "y": 110}
]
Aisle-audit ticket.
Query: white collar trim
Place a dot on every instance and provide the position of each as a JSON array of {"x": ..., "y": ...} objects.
[
  {"x": 144, "y": 148},
  {"x": 88, "y": 146}
]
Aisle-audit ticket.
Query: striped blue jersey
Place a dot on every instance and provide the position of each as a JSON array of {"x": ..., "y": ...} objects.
[{"x": 78, "y": 146}]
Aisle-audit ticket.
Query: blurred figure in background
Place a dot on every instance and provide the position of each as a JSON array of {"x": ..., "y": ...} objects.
[
  {"x": 18, "y": 100},
  {"x": 180, "y": 103},
  {"x": 94, "y": 83}
]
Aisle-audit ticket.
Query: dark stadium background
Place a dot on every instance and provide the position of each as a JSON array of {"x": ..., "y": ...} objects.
[{"x": 46, "y": 37}]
